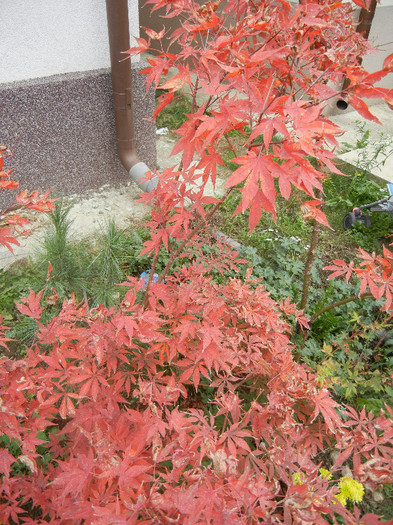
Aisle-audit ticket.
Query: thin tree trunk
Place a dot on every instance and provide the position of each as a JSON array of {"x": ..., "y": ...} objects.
[
  {"x": 202, "y": 222},
  {"x": 366, "y": 19},
  {"x": 310, "y": 259}
]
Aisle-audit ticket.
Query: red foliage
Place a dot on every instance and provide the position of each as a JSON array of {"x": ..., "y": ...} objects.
[
  {"x": 106, "y": 413},
  {"x": 186, "y": 405},
  {"x": 375, "y": 274},
  {"x": 268, "y": 69},
  {"x": 15, "y": 224}
]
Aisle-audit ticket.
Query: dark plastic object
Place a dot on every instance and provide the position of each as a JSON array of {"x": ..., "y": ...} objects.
[
  {"x": 342, "y": 104},
  {"x": 351, "y": 218}
]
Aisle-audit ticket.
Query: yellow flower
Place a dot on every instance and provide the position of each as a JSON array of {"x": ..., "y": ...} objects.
[
  {"x": 325, "y": 473},
  {"x": 358, "y": 174},
  {"x": 352, "y": 490},
  {"x": 341, "y": 498},
  {"x": 298, "y": 478}
]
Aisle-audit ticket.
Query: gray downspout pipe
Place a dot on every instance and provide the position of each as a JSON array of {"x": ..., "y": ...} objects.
[{"x": 119, "y": 40}]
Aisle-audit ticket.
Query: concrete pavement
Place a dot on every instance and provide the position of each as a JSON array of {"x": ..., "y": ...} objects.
[{"x": 380, "y": 140}]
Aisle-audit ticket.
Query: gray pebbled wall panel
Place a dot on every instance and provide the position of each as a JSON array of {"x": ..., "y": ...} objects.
[{"x": 63, "y": 131}]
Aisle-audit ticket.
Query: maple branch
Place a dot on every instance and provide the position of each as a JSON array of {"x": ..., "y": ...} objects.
[
  {"x": 310, "y": 259},
  {"x": 312, "y": 84},
  {"x": 151, "y": 276},
  {"x": 253, "y": 4},
  {"x": 290, "y": 71},
  {"x": 12, "y": 207},
  {"x": 266, "y": 42},
  {"x": 232, "y": 147},
  {"x": 194, "y": 104},
  {"x": 192, "y": 234},
  {"x": 349, "y": 299},
  {"x": 250, "y": 108},
  {"x": 265, "y": 106}
]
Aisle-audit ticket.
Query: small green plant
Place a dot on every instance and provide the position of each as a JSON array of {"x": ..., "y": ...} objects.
[
  {"x": 362, "y": 139},
  {"x": 174, "y": 115},
  {"x": 356, "y": 361},
  {"x": 371, "y": 156},
  {"x": 15, "y": 282},
  {"x": 356, "y": 189},
  {"x": 68, "y": 262},
  {"x": 107, "y": 265},
  {"x": 361, "y": 187}
]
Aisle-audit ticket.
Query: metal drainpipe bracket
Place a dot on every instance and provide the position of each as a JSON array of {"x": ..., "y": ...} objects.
[
  {"x": 128, "y": 98},
  {"x": 123, "y": 100}
]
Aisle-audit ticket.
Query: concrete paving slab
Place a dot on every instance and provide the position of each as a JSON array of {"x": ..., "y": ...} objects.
[{"x": 377, "y": 155}]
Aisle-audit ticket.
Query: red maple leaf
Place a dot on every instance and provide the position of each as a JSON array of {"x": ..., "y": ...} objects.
[
  {"x": 325, "y": 406},
  {"x": 31, "y": 305}
]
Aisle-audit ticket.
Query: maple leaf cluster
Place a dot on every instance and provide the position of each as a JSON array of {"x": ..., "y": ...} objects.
[
  {"x": 188, "y": 407},
  {"x": 267, "y": 71},
  {"x": 108, "y": 412},
  {"x": 375, "y": 273},
  {"x": 12, "y": 224},
  {"x": 184, "y": 403}
]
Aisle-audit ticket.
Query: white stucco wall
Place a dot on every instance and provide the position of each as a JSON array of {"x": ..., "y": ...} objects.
[{"x": 39, "y": 38}]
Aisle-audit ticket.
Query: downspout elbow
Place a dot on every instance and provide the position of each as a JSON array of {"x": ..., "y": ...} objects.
[
  {"x": 138, "y": 172},
  {"x": 136, "y": 168},
  {"x": 119, "y": 41}
]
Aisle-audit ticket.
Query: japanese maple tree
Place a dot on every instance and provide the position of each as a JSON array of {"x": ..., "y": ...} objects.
[{"x": 185, "y": 403}]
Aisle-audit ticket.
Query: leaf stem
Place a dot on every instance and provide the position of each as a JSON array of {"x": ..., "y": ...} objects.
[
  {"x": 231, "y": 146},
  {"x": 151, "y": 276},
  {"x": 310, "y": 259},
  {"x": 194, "y": 95},
  {"x": 192, "y": 234}
]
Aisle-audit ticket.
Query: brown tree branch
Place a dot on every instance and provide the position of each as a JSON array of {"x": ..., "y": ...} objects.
[
  {"x": 310, "y": 259},
  {"x": 192, "y": 234},
  {"x": 364, "y": 295}
]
